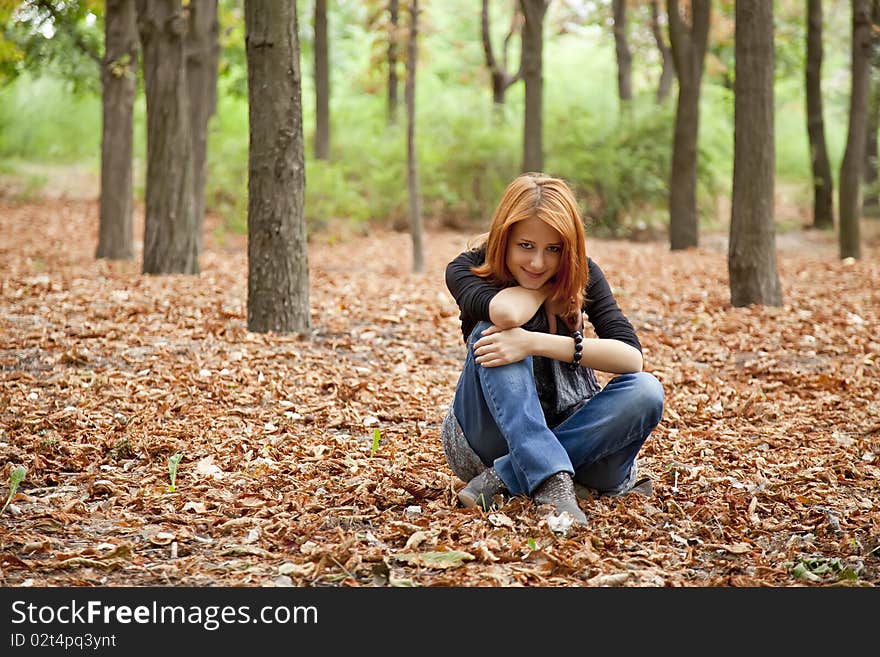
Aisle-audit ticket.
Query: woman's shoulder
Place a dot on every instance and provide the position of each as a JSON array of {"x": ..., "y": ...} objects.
[
  {"x": 595, "y": 272},
  {"x": 472, "y": 256}
]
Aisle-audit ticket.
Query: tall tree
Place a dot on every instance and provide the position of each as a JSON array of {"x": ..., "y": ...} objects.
[
  {"x": 278, "y": 273},
  {"x": 322, "y": 83},
  {"x": 119, "y": 81},
  {"x": 202, "y": 56},
  {"x": 667, "y": 73},
  {"x": 412, "y": 162},
  {"x": 688, "y": 53},
  {"x": 502, "y": 78},
  {"x": 871, "y": 203},
  {"x": 621, "y": 46},
  {"x": 751, "y": 256},
  {"x": 393, "y": 14},
  {"x": 170, "y": 228},
  {"x": 533, "y": 75},
  {"x": 823, "y": 185},
  {"x": 854, "y": 155}
]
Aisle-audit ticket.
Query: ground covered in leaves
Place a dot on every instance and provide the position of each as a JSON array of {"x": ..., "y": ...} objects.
[{"x": 316, "y": 461}]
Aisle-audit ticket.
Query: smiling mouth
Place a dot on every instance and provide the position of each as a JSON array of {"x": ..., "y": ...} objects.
[{"x": 531, "y": 275}]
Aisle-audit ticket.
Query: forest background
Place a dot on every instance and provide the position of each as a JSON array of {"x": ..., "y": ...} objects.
[{"x": 50, "y": 118}]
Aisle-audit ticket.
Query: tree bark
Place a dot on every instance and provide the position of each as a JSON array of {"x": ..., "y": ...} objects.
[
  {"x": 202, "y": 57},
  {"x": 621, "y": 46},
  {"x": 853, "y": 158},
  {"x": 751, "y": 256},
  {"x": 412, "y": 161},
  {"x": 667, "y": 74},
  {"x": 393, "y": 9},
  {"x": 532, "y": 68},
  {"x": 871, "y": 203},
  {"x": 119, "y": 78},
  {"x": 322, "y": 83},
  {"x": 823, "y": 185},
  {"x": 688, "y": 52},
  {"x": 170, "y": 228},
  {"x": 278, "y": 273}
]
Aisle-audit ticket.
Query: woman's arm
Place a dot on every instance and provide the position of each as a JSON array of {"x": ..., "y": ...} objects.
[
  {"x": 603, "y": 312},
  {"x": 485, "y": 301},
  {"x": 606, "y": 355},
  {"x": 514, "y": 306},
  {"x": 502, "y": 347}
]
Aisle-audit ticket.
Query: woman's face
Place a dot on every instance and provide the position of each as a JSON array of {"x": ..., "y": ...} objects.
[{"x": 534, "y": 251}]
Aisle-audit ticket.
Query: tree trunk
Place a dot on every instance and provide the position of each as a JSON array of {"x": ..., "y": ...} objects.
[
  {"x": 119, "y": 77},
  {"x": 170, "y": 229},
  {"x": 871, "y": 204},
  {"x": 851, "y": 168},
  {"x": 278, "y": 272},
  {"x": 393, "y": 8},
  {"x": 823, "y": 185},
  {"x": 532, "y": 68},
  {"x": 667, "y": 74},
  {"x": 751, "y": 257},
  {"x": 412, "y": 162},
  {"x": 688, "y": 51},
  {"x": 203, "y": 50},
  {"x": 322, "y": 83},
  {"x": 624, "y": 57}
]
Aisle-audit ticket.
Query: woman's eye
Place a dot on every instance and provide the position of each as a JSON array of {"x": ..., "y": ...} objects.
[
  {"x": 525, "y": 245},
  {"x": 554, "y": 249}
]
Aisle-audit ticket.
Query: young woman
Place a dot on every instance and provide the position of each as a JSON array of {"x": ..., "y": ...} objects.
[{"x": 528, "y": 416}]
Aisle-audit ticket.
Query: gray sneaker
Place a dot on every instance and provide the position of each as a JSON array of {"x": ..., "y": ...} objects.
[
  {"x": 558, "y": 492},
  {"x": 481, "y": 490},
  {"x": 643, "y": 486},
  {"x": 632, "y": 484}
]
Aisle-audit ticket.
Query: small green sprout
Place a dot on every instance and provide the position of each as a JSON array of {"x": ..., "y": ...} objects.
[
  {"x": 173, "y": 462},
  {"x": 14, "y": 480},
  {"x": 375, "y": 447},
  {"x": 532, "y": 545}
]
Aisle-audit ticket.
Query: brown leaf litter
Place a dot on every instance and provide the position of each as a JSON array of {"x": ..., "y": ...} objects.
[{"x": 766, "y": 463}]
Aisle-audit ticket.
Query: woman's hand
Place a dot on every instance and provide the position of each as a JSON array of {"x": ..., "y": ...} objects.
[{"x": 502, "y": 346}]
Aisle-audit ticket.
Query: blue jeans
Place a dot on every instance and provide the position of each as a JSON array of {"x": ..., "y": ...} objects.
[{"x": 501, "y": 417}]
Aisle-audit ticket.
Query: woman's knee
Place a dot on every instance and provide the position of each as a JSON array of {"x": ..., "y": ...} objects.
[
  {"x": 645, "y": 394},
  {"x": 477, "y": 332},
  {"x": 650, "y": 394}
]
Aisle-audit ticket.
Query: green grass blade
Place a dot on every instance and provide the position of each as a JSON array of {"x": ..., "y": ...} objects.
[{"x": 15, "y": 479}]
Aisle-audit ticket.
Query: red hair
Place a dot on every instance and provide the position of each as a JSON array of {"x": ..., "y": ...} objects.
[{"x": 552, "y": 201}]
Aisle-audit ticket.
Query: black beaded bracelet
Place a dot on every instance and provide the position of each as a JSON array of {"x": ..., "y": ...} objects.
[{"x": 578, "y": 350}]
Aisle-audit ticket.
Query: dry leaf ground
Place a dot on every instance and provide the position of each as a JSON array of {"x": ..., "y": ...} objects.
[{"x": 766, "y": 463}]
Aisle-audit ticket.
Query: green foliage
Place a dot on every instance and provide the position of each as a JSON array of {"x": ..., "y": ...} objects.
[
  {"x": 65, "y": 39},
  {"x": 818, "y": 569},
  {"x": 173, "y": 463},
  {"x": 42, "y": 121},
  {"x": 232, "y": 67},
  {"x": 616, "y": 169},
  {"x": 15, "y": 480},
  {"x": 375, "y": 446}
]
